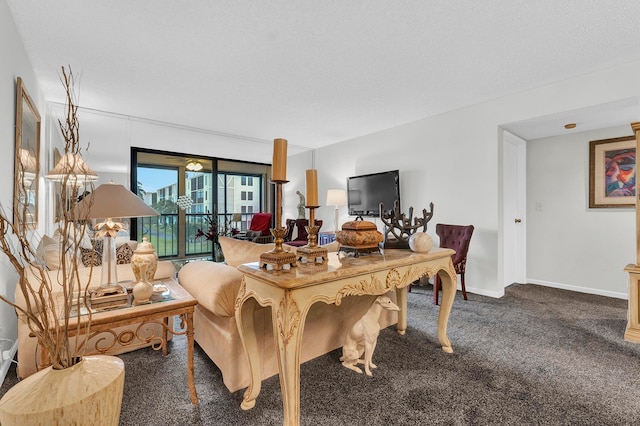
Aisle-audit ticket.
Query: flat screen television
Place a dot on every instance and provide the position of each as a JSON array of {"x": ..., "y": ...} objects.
[{"x": 366, "y": 192}]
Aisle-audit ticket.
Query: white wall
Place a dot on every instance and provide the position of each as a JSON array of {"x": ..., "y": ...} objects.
[
  {"x": 109, "y": 138},
  {"x": 14, "y": 64},
  {"x": 454, "y": 161},
  {"x": 569, "y": 245}
]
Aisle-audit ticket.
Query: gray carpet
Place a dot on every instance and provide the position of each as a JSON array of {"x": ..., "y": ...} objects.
[{"x": 537, "y": 356}]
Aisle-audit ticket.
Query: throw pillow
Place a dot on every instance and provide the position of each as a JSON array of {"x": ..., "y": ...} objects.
[
  {"x": 123, "y": 254},
  {"x": 253, "y": 234},
  {"x": 49, "y": 251},
  {"x": 236, "y": 252},
  {"x": 93, "y": 256},
  {"x": 90, "y": 257}
]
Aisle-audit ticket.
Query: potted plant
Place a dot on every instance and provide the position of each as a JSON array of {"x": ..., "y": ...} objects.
[{"x": 75, "y": 389}]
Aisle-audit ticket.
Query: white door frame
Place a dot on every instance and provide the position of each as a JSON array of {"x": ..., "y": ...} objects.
[{"x": 514, "y": 206}]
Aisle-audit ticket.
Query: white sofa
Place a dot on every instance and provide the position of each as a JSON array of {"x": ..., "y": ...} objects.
[
  {"x": 27, "y": 346},
  {"x": 215, "y": 286}
]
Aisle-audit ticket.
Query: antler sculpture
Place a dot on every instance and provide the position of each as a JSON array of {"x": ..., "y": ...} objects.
[{"x": 399, "y": 227}]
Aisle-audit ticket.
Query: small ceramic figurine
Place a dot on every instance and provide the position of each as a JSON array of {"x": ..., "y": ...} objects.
[
  {"x": 363, "y": 336},
  {"x": 302, "y": 212}
]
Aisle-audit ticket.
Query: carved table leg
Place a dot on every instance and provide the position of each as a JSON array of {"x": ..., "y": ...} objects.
[
  {"x": 401, "y": 296},
  {"x": 190, "y": 367},
  {"x": 244, "y": 321},
  {"x": 449, "y": 283},
  {"x": 165, "y": 337},
  {"x": 288, "y": 324}
]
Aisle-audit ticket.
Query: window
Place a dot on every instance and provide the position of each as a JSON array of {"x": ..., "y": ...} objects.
[{"x": 162, "y": 180}]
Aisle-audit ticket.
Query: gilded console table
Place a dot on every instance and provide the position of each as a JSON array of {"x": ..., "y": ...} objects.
[
  {"x": 632, "y": 332},
  {"x": 290, "y": 294}
]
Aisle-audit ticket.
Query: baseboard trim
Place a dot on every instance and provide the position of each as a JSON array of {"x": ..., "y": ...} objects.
[
  {"x": 484, "y": 292},
  {"x": 579, "y": 289},
  {"x": 4, "y": 367}
]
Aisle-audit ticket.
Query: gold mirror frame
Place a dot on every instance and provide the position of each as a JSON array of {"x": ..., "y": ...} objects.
[{"x": 27, "y": 160}]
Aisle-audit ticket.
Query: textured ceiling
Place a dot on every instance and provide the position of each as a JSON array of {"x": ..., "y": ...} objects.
[{"x": 316, "y": 72}]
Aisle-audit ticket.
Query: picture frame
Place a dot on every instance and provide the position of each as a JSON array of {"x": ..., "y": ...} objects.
[
  {"x": 27, "y": 159},
  {"x": 612, "y": 172}
]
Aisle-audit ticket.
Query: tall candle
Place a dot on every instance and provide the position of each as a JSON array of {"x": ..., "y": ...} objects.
[
  {"x": 279, "y": 164},
  {"x": 312, "y": 187}
]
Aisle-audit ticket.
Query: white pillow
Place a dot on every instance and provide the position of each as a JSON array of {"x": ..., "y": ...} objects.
[
  {"x": 122, "y": 237},
  {"x": 236, "y": 252},
  {"x": 49, "y": 251},
  {"x": 85, "y": 242}
]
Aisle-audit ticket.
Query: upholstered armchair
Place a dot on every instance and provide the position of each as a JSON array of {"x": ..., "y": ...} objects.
[
  {"x": 258, "y": 231},
  {"x": 301, "y": 237},
  {"x": 456, "y": 237}
]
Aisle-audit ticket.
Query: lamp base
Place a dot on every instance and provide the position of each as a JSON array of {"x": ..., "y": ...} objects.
[{"x": 109, "y": 296}]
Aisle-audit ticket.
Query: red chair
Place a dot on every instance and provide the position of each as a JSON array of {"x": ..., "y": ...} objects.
[
  {"x": 456, "y": 237},
  {"x": 259, "y": 229},
  {"x": 301, "y": 238}
]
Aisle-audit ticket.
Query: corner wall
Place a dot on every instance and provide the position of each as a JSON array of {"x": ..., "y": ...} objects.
[
  {"x": 452, "y": 160},
  {"x": 569, "y": 245},
  {"x": 14, "y": 64}
]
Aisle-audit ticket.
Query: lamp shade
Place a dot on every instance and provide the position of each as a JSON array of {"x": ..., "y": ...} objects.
[
  {"x": 71, "y": 166},
  {"x": 336, "y": 197},
  {"x": 111, "y": 200},
  {"x": 28, "y": 161}
]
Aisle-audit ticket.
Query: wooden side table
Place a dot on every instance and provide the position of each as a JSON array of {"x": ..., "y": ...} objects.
[{"x": 105, "y": 324}]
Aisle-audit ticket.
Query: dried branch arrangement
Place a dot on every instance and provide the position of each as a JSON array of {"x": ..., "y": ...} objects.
[
  {"x": 54, "y": 299},
  {"x": 400, "y": 227}
]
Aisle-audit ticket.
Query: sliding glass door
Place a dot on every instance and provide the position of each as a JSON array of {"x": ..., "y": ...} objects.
[
  {"x": 240, "y": 196},
  {"x": 196, "y": 201},
  {"x": 157, "y": 186}
]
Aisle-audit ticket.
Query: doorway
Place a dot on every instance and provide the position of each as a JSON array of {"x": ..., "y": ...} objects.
[{"x": 514, "y": 209}]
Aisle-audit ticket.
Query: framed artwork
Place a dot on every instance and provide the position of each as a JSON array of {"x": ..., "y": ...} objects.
[
  {"x": 612, "y": 172},
  {"x": 27, "y": 160}
]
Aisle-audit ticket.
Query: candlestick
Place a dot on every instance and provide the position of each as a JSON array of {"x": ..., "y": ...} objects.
[
  {"x": 312, "y": 253},
  {"x": 279, "y": 163},
  {"x": 278, "y": 257},
  {"x": 312, "y": 188}
]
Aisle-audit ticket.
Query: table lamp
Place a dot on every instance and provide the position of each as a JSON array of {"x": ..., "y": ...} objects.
[
  {"x": 110, "y": 201},
  {"x": 336, "y": 197},
  {"x": 72, "y": 170}
]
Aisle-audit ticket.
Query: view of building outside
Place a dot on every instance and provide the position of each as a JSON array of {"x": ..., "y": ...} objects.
[
  {"x": 158, "y": 187},
  {"x": 239, "y": 194}
]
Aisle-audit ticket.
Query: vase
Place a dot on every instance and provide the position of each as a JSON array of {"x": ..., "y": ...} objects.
[
  {"x": 89, "y": 392},
  {"x": 217, "y": 252},
  {"x": 145, "y": 255},
  {"x": 143, "y": 290}
]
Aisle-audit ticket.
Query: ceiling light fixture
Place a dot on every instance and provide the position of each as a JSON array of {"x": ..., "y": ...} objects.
[
  {"x": 570, "y": 126},
  {"x": 194, "y": 166}
]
